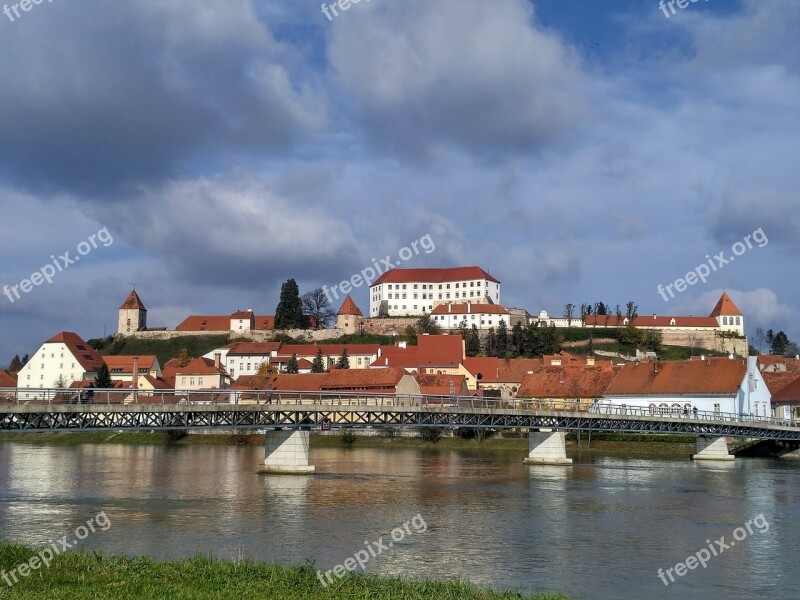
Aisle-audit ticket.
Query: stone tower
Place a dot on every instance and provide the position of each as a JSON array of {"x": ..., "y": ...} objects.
[
  {"x": 132, "y": 315},
  {"x": 349, "y": 316}
]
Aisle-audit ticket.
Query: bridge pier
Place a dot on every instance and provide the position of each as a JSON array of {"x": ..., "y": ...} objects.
[
  {"x": 711, "y": 448},
  {"x": 546, "y": 447},
  {"x": 286, "y": 453}
]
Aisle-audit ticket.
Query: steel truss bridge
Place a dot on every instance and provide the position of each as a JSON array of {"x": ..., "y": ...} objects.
[{"x": 259, "y": 410}]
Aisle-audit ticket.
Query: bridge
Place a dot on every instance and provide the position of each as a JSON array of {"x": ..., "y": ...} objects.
[{"x": 288, "y": 417}]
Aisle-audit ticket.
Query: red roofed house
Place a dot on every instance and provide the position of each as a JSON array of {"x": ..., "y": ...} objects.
[
  {"x": 200, "y": 374},
  {"x": 62, "y": 359},
  {"x": 402, "y": 355},
  {"x": 786, "y": 402},
  {"x": 568, "y": 387},
  {"x": 132, "y": 314},
  {"x": 714, "y": 385},
  {"x": 344, "y": 381},
  {"x": 415, "y": 292},
  {"x": 121, "y": 367},
  {"x": 483, "y": 316},
  {"x": 442, "y": 385},
  {"x": 503, "y": 374},
  {"x": 360, "y": 356},
  {"x": 239, "y": 321},
  {"x": 349, "y": 316},
  {"x": 244, "y": 358},
  {"x": 440, "y": 354},
  {"x": 8, "y": 381}
]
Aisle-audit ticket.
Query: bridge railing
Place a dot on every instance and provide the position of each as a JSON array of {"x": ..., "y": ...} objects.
[{"x": 124, "y": 397}]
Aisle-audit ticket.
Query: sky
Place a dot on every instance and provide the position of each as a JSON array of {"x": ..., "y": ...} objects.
[{"x": 578, "y": 151}]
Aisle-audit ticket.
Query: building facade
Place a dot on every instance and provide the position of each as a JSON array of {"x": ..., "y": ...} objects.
[{"x": 415, "y": 292}]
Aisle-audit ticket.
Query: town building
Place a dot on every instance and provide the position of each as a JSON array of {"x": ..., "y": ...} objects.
[
  {"x": 349, "y": 317},
  {"x": 442, "y": 385},
  {"x": 58, "y": 362},
  {"x": 569, "y": 386},
  {"x": 239, "y": 321},
  {"x": 503, "y": 375},
  {"x": 244, "y": 358},
  {"x": 415, "y": 292},
  {"x": 360, "y": 356},
  {"x": 482, "y": 316},
  {"x": 440, "y": 354},
  {"x": 197, "y": 374},
  {"x": 121, "y": 368}
]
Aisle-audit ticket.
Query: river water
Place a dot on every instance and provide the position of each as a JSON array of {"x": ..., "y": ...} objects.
[{"x": 600, "y": 529}]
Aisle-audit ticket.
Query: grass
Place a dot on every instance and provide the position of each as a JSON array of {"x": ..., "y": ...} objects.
[
  {"x": 93, "y": 575},
  {"x": 197, "y": 345}
]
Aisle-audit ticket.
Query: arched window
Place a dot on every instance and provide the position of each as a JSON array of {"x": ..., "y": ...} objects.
[
  {"x": 724, "y": 320},
  {"x": 738, "y": 320},
  {"x": 652, "y": 409},
  {"x": 675, "y": 409},
  {"x": 663, "y": 409}
]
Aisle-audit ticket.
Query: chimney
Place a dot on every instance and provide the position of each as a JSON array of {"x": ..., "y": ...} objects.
[
  {"x": 135, "y": 373},
  {"x": 449, "y": 307},
  {"x": 654, "y": 317},
  {"x": 217, "y": 360},
  {"x": 469, "y": 307},
  {"x": 249, "y": 310},
  {"x": 702, "y": 357}
]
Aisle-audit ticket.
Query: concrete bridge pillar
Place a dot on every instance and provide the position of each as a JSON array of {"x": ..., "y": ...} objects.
[
  {"x": 286, "y": 452},
  {"x": 711, "y": 448},
  {"x": 547, "y": 447}
]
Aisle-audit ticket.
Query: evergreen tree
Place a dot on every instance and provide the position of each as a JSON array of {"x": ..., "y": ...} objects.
[
  {"x": 517, "y": 336},
  {"x": 473, "y": 342},
  {"x": 103, "y": 378},
  {"x": 289, "y": 313},
  {"x": 502, "y": 339},
  {"x": 25, "y": 360},
  {"x": 344, "y": 361},
  {"x": 292, "y": 366},
  {"x": 16, "y": 364},
  {"x": 780, "y": 343},
  {"x": 491, "y": 343},
  {"x": 318, "y": 366}
]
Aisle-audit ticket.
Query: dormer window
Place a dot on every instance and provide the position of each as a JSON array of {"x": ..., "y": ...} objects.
[
  {"x": 625, "y": 321},
  {"x": 672, "y": 322}
]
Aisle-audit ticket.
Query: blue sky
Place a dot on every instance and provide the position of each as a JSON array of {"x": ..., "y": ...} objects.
[{"x": 579, "y": 151}]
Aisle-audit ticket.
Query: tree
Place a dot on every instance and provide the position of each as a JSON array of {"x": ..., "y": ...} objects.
[
  {"x": 474, "y": 342},
  {"x": 266, "y": 368},
  {"x": 618, "y": 314},
  {"x": 15, "y": 365},
  {"x": 292, "y": 366},
  {"x": 779, "y": 344},
  {"x": 586, "y": 310},
  {"x": 600, "y": 309},
  {"x": 25, "y": 360},
  {"x": 569, "y": 312},
  {"x": 653, "y": 340},
  {"x": 517, "y": 339},
  {"x": 102, "y": 379},
  {"x": 630, "y": 337},
  {"x": 344, "y": 361},
  {"x": 183, "y": 357},
  {"x": 502, "y": 339},
  {"x": 289, "y": 313},
  {"x": 317, "y": 305},
  {"x": 631, "y": 311},
  {"x": 61, "y": 383},
  {"x": 426, "y": 324},
  {"x": 759, "y": 339},
  {"x": 490, "y": 344},
  {"x": 318, "y": 366}
]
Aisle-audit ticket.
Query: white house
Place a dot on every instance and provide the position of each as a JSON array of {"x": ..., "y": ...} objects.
[
  {"x": 483, "y": 316},
  {"x": 713, "y": 385},
  {"x": 415, "y": 292},
  {"x": 62, "y": 359},
  {"x": 244, "y": 358}
]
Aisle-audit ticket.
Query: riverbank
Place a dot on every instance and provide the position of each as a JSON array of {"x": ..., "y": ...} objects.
[
  {"x": 94, "y": 575},
  {"x": 599, "y": 443}
]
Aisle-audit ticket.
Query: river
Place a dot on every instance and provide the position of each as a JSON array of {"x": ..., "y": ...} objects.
[{"x": 600, "y": 529}]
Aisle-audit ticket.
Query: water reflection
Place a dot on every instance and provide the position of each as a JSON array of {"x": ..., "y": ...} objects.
[{"x": 598, "y": 529}]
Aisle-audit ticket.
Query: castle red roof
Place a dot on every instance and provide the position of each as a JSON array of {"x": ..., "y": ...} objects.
[
  {"x": 133, "y": 302},
  {"x": 725, "y": 306},
  {"x": 433, "y": 275},
  {"x": 86, "y": 356},
  {"x": 349, "y": 308}
]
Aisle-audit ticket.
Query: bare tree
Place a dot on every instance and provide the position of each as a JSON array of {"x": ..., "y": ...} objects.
[
  {"x": 759, "y": 339},
  {"x": 316, "y": 304},
  {"x": 569, "y": 313}
]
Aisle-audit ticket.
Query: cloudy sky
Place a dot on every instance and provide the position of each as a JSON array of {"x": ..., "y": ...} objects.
[{"x": 578, "y": 151}]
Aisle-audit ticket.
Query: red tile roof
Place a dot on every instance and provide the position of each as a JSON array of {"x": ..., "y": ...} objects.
[
  {"x": 349, "y": 308},
  {"x": 433, "y": 275},
  {"x": 252, "y": 382},
  {"x": 440, "y": 350},
  {"x": 789, "y": 393},
  {"x": 329, "y": 349},
  {"x": 252, "y": 348},
  {"x": 778, "y": 380},
  {"x": 147, "y": 362},
  {"x": 700, "y": 377},
  {"x": 221, "y": 322},
  {"x": 300, "y": 382},
  {"x": 501, "y": 370},
  {"x": 439, "y": 385},
  {"x": 87, "y": 356},
  {"x": 725, "y": 306},
  {"x": 133, "y": 302},
  {"x": 197, "y": 366},
  {"x": 394, "y": 356},
  {"x": 242, "y": 314},
  {"x": 378, "y": 380},
  {"x": 7, "y": 380},
  {"x": 566, "y": 382},
  {"x": 475, "y": 307},
  {"x": 650, "y": 321}
]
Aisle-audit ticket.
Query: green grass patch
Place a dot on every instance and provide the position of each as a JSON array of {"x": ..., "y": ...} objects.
[
  {"x": 197, "y": 345},
  {"x": 93, "y": 575}
]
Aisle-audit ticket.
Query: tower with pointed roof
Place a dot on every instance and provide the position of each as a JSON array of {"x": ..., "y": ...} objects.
[
  {"x": 349, "y": 316},
  {"x": 728, "y": 315},
  {"x": 132, "y": 315}
]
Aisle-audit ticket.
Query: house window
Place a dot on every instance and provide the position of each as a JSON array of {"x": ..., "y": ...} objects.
[
  {"x": 183, "y": 380},
  {"x": 724, "y": 320},
  {"x": 738, "y": 320}
]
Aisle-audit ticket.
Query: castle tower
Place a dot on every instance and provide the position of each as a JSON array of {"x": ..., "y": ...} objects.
[
  {"x": 349, "y": 316},
  {"x": 728, "y": 315},
  {"x": 132, "y": 315}
]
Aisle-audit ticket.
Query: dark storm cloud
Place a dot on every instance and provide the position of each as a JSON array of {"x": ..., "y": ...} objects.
[{"x": 97, "y": 95}]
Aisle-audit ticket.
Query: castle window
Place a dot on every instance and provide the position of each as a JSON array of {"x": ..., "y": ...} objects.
[{"x": 738, "y": 320}]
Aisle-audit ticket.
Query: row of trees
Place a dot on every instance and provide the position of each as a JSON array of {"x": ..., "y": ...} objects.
[
  {"x": 776, "y": 343},
  {"x": 523, "y": 342},
  {"x": 601, "y": 309}
]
